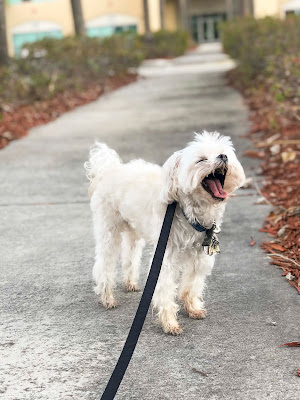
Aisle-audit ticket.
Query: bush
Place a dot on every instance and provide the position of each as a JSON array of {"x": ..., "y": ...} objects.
[
  {"x": 268, "y": 54},
  {"x": 265, "y": 48},
  {"x": 55, "y": 65},
  {"x": 256, "y": 42},
  {"x": 165, "y": 44}
]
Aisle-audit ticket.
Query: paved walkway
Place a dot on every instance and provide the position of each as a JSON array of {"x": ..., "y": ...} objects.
[{"x": 56, "y": 342}]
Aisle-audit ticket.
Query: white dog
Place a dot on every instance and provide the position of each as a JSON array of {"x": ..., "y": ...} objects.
[{"x": 129, "y": 201}]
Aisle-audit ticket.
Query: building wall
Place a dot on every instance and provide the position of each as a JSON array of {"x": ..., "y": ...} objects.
[
  {"x": 268, "y": 8},
  {"x": 59, "y": 12},
  {"x": 22, "y": 12},
  {"x": 134, "y": 8},
  {"x": 197, "y": 7},
  {"x": 171, "y": 15},
  {"x": 96, "y": 8},
  {"x": 264, "y": 8}
]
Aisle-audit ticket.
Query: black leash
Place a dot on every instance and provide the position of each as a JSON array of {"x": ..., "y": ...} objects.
[{"x": 138, "y": 322}]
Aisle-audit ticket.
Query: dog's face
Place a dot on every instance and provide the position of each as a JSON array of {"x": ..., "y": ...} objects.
[{"x": 207, "y": 168}]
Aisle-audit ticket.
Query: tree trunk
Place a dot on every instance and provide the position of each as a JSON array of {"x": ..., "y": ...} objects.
[
  {"x": 184, "y": 15},
  {"x": 162, "y": 13},
  {"x": 146, "y": 19},
  {"x": 248, "y": 7},
  {"x": 3, "y": 38},
  {"x": 229, "y": 9},
  {"x": 77, "y": 17}
]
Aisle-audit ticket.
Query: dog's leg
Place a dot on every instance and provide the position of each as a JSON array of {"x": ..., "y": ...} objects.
[
  {"x": 193, "y": 284},
  {"x": 132, "y": 249},
  {"x": 108, "y": 242},
  {"x": 163, "y": 299}
]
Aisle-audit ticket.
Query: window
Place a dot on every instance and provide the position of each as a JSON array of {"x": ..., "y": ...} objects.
[
  {"x": 19, "y": 39},
  {"x": 101, "y": 31},
  {"x": 292, "y": 12},
  {"x": 126, "y": 28},
  {"x": 109, "y": 24},
  {"x": 30, "y": 32},
  {"x": 290, "y": 8}
]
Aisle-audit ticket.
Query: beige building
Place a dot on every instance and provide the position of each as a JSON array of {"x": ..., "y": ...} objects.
[
  {"x": 202, "y": 17},
  {"x": 30, "y": 20}
]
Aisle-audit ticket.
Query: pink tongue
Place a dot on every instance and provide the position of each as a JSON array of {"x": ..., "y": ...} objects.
[{"x": 216, "y": 187}]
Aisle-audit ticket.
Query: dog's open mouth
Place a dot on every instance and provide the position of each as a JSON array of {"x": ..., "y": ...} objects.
[{"x": 214, "y": 183}]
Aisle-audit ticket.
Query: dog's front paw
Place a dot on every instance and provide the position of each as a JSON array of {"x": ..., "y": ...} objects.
[
  {"x": 109, "y": 302},
  {"x": 174, "y": 330},
  {"x": 131, "y": 287},
  {"x": 197, "y": 314}
]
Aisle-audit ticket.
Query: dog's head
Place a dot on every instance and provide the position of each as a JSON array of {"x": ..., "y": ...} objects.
[{"x": 207, "y": 168}]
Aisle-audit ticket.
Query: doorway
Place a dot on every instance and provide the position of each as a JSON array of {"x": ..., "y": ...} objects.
[{"x": 205, "y": 28}]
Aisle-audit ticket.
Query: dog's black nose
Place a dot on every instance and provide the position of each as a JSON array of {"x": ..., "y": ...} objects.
[{"x": 223, "y": 157}]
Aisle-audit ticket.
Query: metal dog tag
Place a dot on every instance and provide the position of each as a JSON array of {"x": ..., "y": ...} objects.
[{"x": 211, "y": 243}]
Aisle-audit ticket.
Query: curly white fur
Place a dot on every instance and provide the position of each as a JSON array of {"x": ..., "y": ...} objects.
[{"x": 129, "y": 201}]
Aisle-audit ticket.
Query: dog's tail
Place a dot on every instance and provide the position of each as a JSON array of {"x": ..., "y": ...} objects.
[{"x": 101, "y": 158}]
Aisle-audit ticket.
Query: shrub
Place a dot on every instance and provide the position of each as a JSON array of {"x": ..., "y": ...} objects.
[
  {"x": 268, "y": 53},
  {"x": 165, "y": 44},
  {"x": 54, "y": 65}
]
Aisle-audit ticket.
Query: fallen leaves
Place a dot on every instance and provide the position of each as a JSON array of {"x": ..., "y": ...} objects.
[
  {"x": 276, "y": 134},
  {"x": 272, "y": 246},
  {"x": 274, "y": 102},
  {"x": 290, "y": 277},
  {"x": 252, "y": 243},
  {"x": 284, "y": 227},
  {"x": 254, "y": 154},
  {"x": 288, "y": 156},
  {"x": 277, "y": 142},
  {"x": 198, "y": 371}
]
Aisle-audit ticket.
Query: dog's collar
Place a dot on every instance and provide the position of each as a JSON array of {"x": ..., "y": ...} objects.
[
  {"x": 196, "y": 225},
  {"x": 210, "y": 242}
]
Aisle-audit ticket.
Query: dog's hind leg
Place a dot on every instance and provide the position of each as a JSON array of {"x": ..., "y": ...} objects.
[
  {"x": 132, "y": 248},
  {"x": 108, "y": 246}
]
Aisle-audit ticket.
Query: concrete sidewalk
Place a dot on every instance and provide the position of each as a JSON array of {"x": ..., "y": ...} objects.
[{"x": 56, "y": 342}]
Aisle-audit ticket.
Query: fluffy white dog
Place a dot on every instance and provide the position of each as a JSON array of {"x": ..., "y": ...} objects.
[{"x": 129, "y": 201}]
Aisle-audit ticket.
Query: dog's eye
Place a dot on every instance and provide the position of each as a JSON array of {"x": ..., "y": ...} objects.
[{"x": 202, "y": 159}]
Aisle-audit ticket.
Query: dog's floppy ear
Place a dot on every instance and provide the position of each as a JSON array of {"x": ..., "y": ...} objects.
[
  {"x": 237, "y": 177},
  {"x": 170, "y": 178}
]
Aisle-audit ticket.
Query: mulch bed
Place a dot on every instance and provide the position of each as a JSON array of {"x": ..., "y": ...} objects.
[
  {"x": 276, "y": 136},
  {"x": 15, "y": 121}
]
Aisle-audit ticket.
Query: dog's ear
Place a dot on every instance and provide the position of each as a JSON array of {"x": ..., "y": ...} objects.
[
  {"x": 170, "y": 168},
  {"x": 236, "y": 177}
]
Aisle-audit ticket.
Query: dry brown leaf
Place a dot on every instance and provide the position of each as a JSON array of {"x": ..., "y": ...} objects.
[
  {"x": 291, "y": 344},
  {"x": 252, "y": 243},
  {"x": 254, "y": 154},
  {"x": 276, "y": 246},
  {"x": 288, "y": 156}
]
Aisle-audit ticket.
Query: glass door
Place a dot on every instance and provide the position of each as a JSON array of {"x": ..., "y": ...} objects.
[{"x": 205, "y": 28}]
